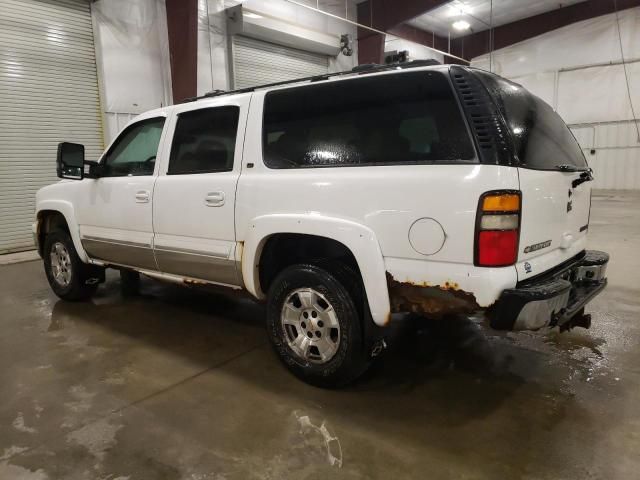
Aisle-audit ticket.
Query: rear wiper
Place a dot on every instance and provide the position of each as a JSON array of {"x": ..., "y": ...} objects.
[
  {"x": 584, "y": 177},
  {"x": 565, "y": 167}
]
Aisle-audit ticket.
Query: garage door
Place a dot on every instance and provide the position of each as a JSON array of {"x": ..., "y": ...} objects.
[
  {"x": 256, "y": 62},
  {"x": 48, "y": 94}
]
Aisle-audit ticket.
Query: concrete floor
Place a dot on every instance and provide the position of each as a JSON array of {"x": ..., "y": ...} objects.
[{"x": 181, "y": 384}]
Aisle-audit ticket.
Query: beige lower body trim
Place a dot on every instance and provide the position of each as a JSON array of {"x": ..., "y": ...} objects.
[
  {"x": 197, "y": 265},
  {"x": 120, "y": 252},
  {"x": 172, "y": 261}
]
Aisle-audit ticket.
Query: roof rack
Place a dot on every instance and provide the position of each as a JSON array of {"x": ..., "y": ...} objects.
[{"x": 358, "y": 70}]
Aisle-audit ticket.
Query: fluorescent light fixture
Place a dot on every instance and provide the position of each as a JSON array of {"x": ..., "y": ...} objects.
[
  {"x": 461, "y": 25},
  {"x": 251, "y": 15}
]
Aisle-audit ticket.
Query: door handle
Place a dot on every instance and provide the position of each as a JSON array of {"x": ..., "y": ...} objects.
[
  {"x": 142, "y": 196},
  {"x": 214, "y": 199}
]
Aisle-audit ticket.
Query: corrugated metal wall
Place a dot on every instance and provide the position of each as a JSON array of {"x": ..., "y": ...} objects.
[
  {"x": 48, "y": 94},
  {"x": 613, "y": 151},
  {"x": 256, "y": 62},
  {"x": 578, "y": 69}
]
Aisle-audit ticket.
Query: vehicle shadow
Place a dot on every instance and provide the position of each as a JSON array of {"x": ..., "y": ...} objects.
[{"x": 448, "y": 367}]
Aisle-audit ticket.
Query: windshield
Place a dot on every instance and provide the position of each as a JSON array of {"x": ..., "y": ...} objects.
[{"x": 541, "y": 139}]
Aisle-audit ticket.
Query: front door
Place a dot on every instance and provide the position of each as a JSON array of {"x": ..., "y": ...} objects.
[
  {"x": 194, "y": 199},
  {"x": 114, "y": 211}
]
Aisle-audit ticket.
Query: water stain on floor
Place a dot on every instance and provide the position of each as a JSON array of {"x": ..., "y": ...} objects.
[{"x": 181, "y": 384}]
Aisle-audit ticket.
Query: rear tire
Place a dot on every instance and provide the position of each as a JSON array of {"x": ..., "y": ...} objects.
[
  {"x": 69, "y": 278},
  {"x": 314, "y": 324}
]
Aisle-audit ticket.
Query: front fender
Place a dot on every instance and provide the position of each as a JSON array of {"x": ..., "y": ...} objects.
[
  {"x": 359, "y": 239},
  {"x": 65, "y": 207}
]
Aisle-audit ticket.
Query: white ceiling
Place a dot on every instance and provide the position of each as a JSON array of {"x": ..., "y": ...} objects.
[{"x": 479, "y": 14}]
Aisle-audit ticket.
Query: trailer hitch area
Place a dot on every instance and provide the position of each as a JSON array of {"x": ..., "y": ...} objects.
[{"x": 580, "y": 319}]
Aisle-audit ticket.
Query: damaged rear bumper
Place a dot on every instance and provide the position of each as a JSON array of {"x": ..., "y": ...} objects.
[{"x": 555, "y": 299}]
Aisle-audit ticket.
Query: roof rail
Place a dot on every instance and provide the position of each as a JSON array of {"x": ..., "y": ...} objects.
[{"x": 358, "y": 70}]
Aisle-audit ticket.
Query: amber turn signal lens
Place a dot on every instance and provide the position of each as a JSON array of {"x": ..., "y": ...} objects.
[{"x": 508, "y": 202}]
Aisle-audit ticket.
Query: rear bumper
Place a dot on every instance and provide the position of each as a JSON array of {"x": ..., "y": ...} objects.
[{"x": 554, "y": 299}]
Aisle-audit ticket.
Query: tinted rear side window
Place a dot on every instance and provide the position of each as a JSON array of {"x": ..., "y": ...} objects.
[
  {"x": 541, "y": 139},
  {"x": 408, "y": 118},
  {"x": 204, "y": 141}
]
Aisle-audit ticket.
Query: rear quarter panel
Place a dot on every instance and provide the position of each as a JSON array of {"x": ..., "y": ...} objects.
[{"x": 388, "y": 200}]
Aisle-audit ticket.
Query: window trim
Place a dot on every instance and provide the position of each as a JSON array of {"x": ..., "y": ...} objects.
[
  {"x": 173, "y": 140},
  {"x": 105, "y": 156},
  {"x": 472, "y": 161}
]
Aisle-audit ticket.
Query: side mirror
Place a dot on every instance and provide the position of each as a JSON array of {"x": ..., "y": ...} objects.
[
  {"x": 94, "y": 169},
  {"x": 70, "y": 161}
]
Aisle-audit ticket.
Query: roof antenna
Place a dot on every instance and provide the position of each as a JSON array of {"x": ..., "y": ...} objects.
[{"x": 626, "y": 73}]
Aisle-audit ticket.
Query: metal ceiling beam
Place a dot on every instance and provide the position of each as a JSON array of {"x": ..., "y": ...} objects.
[
  {"x": 182, "y": 27},
  {"x": 476, "y": 44},
  {"x": 384, "y": 15},
  {"x": 425, "y": 37}
]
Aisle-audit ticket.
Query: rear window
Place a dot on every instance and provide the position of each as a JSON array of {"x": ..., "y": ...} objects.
[
  {"x": 408, "y": 118},
  {"x": 541, "y": 139}
]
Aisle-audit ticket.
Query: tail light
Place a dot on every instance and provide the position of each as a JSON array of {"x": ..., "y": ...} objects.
[{"x": 498, "y": 228}]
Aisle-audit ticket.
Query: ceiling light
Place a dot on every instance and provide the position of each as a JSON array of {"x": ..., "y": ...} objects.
[
  {"x": 459, "y": 9},
  {"x": 461, "y": 25}
]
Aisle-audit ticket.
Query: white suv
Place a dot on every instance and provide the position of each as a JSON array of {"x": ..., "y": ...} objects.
[{"x": 340, "y": 200}]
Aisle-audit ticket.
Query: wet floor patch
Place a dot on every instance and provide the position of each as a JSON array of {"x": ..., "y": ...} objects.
[{"x": 178, "y": 383}]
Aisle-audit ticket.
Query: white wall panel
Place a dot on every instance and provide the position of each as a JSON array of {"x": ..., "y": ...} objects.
[
  {"x": 591, "y": 89},
  {"x": 213, "y": 64},
  {"x": 598, "y": 94},
  {"x": 133, "y": 56},
  {"x": 616, "y": 169},
  {"x": 589, "y": 42},
  {"x": 617, "y": 135}
]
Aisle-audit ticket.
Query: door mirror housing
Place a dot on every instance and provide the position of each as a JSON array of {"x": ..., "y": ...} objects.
[
  {"x": 70, "y": 161},
  {"x": 94, "y": 169}
]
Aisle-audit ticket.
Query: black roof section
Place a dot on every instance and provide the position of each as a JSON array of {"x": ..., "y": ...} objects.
[{"x": 360, "y": 69}]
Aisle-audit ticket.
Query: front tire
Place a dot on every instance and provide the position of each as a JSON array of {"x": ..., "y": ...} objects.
[
  {"x": 315, "y": 325},
  {"x": 68, "y": 276}
]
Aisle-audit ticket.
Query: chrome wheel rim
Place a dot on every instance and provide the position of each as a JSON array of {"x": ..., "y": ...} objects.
[
  {"x": 310, "y": 325},
  {"x": 60, "y": 264}
]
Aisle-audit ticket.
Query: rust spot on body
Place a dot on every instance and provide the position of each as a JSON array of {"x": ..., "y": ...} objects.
[{"x": 435, "y": 301}]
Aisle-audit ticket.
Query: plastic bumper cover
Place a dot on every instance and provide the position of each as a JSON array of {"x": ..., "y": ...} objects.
[{"x": 556, "y": 299}]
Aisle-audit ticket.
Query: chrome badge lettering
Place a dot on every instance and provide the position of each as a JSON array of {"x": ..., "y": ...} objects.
[{"x": 537, "y": 246}]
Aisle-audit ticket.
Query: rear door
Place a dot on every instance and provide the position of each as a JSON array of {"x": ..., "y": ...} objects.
[
  {"x": 194, "y": 196},
  {"x": 554, "y": 179}
]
